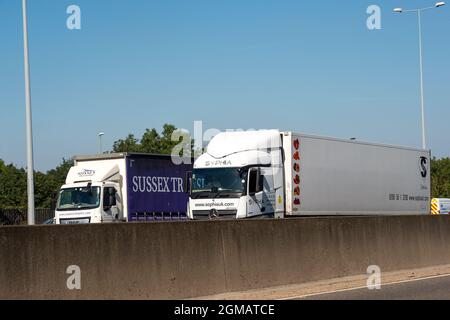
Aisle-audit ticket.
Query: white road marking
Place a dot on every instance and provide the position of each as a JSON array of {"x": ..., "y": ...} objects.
[{"x": 364, "y": 287}]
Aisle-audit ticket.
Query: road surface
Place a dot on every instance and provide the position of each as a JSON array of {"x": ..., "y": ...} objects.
[{"x": 432, "y": 288}]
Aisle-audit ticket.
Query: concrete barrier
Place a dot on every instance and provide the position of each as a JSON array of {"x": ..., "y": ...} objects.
[{"x": 169, "y": 260}]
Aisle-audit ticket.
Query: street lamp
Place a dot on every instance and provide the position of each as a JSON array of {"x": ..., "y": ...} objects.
[
  {"x": 100, "y": 141},
  {"x": 29, "y": 131},
  {"x": 419, "y": 15}
]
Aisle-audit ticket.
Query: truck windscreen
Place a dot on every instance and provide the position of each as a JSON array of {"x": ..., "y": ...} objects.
[
  {"x": 78, "y": 198},
  {"x": 218, "y": 181}
]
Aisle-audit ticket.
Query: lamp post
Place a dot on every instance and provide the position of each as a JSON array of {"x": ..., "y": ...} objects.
[
  {"x": 29, "y": 131},
  {"x": 100, "y": 135},
  {"x": 422, "y": 104}
]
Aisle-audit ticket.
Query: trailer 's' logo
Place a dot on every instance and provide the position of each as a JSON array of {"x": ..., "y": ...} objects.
[
  {"x": 423, "y": 161},
  {"x": 86, "y": 173}
]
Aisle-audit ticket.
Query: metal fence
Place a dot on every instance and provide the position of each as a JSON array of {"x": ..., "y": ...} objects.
[{"x": 18, "y": 216}]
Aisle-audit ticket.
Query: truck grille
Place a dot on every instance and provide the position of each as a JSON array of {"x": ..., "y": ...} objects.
[{"x": 206, "y": 214}]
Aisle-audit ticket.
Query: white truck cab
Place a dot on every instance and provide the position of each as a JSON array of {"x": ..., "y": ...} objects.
[
  {"x": 92, "y": 194},
  {"x": 240, "y": 176}
]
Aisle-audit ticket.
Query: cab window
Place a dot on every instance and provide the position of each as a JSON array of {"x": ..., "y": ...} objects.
[{"x": 109, "y": 197}]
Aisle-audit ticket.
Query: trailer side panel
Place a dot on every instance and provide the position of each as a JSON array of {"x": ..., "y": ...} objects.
[
  {"x": 348, "y": 178},
  {"x": 155, "y": 187}
]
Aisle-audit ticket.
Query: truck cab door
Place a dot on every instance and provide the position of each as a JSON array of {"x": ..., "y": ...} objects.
[
  {"x": 255, "y": 192},
  {"x": 110, "y": 209}
]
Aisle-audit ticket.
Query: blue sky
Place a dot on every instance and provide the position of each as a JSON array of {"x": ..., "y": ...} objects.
[{"x": 292, "y": 65}]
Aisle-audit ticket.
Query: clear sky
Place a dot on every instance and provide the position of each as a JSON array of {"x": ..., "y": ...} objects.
[{"x": 294, "y": 65}]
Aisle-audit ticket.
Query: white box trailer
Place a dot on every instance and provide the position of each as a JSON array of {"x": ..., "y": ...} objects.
[
  {"x": 287, "y": 174},
  {"x": 336, "y": 176}
]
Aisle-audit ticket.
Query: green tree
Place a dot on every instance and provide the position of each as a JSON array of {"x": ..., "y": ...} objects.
[
  {"x": 42, "y": 190},
  {"x": 129, "y": 144},
  {"x": 166, "y": 143},
  {"x": 13, "y": 186},
  {"x": 151, "y": 141},
  {"x": 440, "y": 178},
  {"x": 154, "y": 142}
]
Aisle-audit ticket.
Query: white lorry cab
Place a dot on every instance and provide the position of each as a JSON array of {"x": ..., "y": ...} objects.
[
  {"x": 275, "y": 174},
  {"x": 239, "y": 176},
  {"x": 92, "y": 193},
  {"x": 440, "y": 206}
]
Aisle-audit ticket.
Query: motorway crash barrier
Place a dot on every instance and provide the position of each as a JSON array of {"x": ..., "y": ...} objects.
[{"x": 170, "y": 260}]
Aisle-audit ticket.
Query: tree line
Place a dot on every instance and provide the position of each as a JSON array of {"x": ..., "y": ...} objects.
[{"x": 13, "y": 180}]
